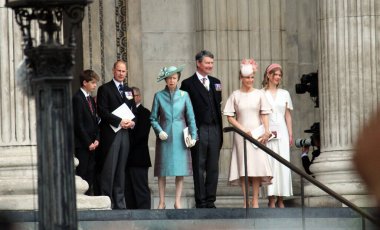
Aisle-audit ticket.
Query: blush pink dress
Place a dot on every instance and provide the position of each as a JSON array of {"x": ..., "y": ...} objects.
[{"x": 247, "y": 107}]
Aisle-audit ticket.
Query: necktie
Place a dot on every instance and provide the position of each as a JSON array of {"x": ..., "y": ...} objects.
[
  {"x": 121, "y": 90},
  {"x": 204, "y": 82},
  {"x": 90, "y": 104}
]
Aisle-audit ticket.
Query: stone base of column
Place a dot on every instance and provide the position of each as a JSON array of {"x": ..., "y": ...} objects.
[
  {"x": 18, "y": 183},
  {"x": 353, "y": 192},
  {"x": 30, "y": 202},
  {"x": 328, "y": 201}
]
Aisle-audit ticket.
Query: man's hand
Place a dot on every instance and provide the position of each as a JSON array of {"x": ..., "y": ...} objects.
[
  {"x": 94, "y": 145},
  {"x": 305, "y": 149},
  {"x": 126, "y": 124}
]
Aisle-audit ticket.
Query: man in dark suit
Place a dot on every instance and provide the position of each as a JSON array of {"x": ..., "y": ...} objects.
[
  {"x": 86, "y": 131},
  {"x": 115, "y": 145},
  {"x": 137, "y": 192},
  {"x": 206, "y": 95}
]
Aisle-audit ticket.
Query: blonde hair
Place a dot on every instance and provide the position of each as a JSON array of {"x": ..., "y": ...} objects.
[{"x": 265, "y": 82}]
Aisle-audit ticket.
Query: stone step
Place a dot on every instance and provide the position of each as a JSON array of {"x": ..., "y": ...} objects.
[
  {"x": 221, "y": 218},
  {"x": 30, "y": 202},
  {"x": 24, "y": 186}
]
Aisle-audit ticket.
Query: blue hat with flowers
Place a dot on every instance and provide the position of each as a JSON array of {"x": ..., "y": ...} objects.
[{"x": 168, "y": 71}]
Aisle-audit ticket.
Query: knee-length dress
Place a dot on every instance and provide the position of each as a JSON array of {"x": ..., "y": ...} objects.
[
  {"x": 172, "y": 112},
  {"x": 282, "y": 181},
  {"x": 247, "y": 107}
]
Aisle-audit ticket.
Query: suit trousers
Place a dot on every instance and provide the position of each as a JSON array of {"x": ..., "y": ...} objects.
[
  {"x": 306, "y": 164},
  {"x": 205, "y": 159},
  {"x": 86, "y": 167},
  {"x": 112, "y": 182},
  {"x": 137, "y": 192}
]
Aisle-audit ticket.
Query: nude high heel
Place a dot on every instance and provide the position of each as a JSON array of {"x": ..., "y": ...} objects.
[{"x": 163, "y": 207}]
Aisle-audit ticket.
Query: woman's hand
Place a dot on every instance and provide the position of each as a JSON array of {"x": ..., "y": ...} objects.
[
  {"x": 163, "y": 136},
  {"x": 192, "y": 143},
  {"x": 290, "y": 140},
  {"x": 265, "y": 137},
  {"x": 248, "y": 132}
]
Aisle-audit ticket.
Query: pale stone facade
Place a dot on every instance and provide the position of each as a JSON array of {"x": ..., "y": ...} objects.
[
  {"x": 18, "y": 152},
  {"x": 302, "y": 35}
]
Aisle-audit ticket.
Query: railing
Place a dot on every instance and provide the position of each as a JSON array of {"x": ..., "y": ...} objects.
[{"x": 300, "y": 172}]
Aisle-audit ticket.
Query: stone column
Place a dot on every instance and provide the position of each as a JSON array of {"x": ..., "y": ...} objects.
[
  {"x": 349, "y": 45},
  {"x": 233, "y": 30},
  {"x": 18, "y": 147}
]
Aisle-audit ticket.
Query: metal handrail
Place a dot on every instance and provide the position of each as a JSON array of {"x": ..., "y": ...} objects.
[{"x": 303, "y": 174}]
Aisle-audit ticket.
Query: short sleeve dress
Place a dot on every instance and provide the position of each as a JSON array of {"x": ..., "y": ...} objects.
[
  {"x": 247, "y": 107},
  {"x": 282, "y": 181}
]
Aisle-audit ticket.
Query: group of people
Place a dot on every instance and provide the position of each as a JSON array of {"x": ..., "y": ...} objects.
[
  {"x": 247, "y": 109},
  {"x": 113, "y": 151}
]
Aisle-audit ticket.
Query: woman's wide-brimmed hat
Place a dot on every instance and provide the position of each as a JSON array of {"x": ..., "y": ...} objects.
[{"x": 168, "y": 71}]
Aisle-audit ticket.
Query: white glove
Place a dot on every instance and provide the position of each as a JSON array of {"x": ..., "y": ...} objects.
[
  {"x": 192, "y": 143},
  {"x": 163, "y": 136}
]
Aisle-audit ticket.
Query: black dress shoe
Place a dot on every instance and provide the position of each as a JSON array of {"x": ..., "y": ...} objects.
[
  {"x": 200, "y": 206},
  {"x": 210, "y": 205},
  {"x": 90, "y": 192}
]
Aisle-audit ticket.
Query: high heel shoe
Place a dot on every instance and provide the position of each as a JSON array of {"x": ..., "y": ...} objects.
[{"x": 163, "y": 207}]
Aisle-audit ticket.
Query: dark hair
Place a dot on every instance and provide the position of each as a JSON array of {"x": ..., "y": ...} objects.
[
  {"x": 204, "y": 53},
  {"x": 88, "y": 75}
]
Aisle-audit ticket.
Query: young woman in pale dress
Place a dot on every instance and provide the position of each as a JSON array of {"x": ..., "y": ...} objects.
[
  {"x": 246, "y": 109},
  {"x": 280, "y": 120}
]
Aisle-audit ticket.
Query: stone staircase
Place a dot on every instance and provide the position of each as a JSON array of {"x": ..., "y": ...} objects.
[{"x": 221, "y": 218}]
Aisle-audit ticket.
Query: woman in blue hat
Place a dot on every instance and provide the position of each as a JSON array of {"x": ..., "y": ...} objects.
[{"x": 172, "y": 112}]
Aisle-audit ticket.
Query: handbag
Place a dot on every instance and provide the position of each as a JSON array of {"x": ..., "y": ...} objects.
[{"x": 187, "y": 137}]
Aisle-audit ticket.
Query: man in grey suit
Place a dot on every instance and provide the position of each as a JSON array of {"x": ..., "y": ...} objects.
[
  {"x": 205, "y": 93},
  {"x": 114, "y": 145}
]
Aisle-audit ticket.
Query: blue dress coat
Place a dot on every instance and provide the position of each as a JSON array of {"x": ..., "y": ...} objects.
[{"x": 172, "y": 112}]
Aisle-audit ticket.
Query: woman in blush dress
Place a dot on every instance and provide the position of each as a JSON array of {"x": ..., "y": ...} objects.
[
  {"x": 247, "y": 109},
  {"x": 172, "y": 111},
  {"x": 280, "y": 121}
]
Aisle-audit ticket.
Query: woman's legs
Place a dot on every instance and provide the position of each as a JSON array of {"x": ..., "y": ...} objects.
[
  {"x": 161, "y": 191},
  {"x": 255, "y": 191},
  {"x": 178, "y": 191},
  {"x": 242, "y": 182},
  {"x": 280, "y": 202},
  {"x": 271, "y": 202}
]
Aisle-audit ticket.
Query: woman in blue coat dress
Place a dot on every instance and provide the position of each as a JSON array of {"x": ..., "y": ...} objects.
[{"x": 171, "y": 113}]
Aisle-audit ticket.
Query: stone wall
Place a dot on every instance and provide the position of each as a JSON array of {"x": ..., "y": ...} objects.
[
  {"x": 150, "y": 34},
  {"x": 170, "y": 32}
]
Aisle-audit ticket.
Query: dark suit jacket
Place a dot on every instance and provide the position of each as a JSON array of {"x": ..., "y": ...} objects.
[
  {"x": 199, "y": 98},
  {"x": 109, "y": 99},
  {"x": 139, "y": 152},
  {"x": 86, "y": 129}
]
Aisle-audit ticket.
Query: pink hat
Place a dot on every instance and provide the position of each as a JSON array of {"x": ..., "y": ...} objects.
[
  {"x": 273, "y": 66},
  {"x": 247, "y": 67}
]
